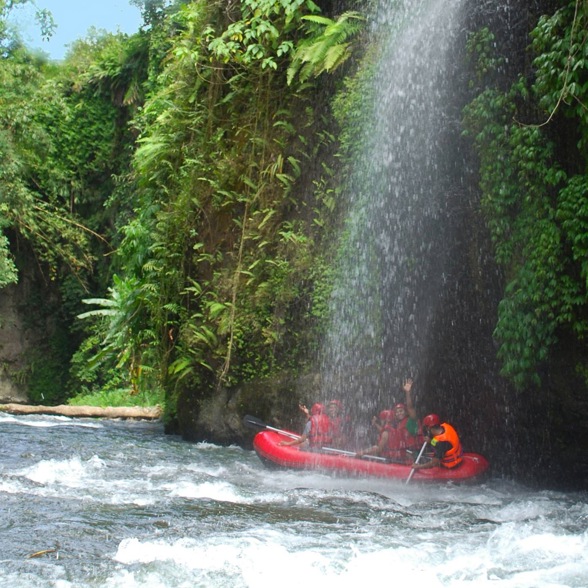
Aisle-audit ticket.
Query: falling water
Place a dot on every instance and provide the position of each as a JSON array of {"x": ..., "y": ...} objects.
[{"x": 393, "y": 267}]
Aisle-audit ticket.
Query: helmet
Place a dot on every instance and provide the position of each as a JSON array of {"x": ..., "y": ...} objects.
[
  {"x": 400, "y": 405},
  {"x": 317, "y": 408},
  {"x": 431, "y": 420},
  {"x": 336, "y": 402},
  {"x": 386, "y": 415}
]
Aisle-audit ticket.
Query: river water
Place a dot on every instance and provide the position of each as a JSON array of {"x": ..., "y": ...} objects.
[{"x": 104, "y": 503}]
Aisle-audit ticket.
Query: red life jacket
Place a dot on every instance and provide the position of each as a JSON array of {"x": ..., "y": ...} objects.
[
  {"x": 399, "y": 440},
  {"x": 320, "y": 431},
  {"x": 453, "y": 457},
  {"x": 419, "y": 438},
  {"x": 336, "y": 425},
  {"x": 395, "y": 448},
  {"x": 407, "y": 441},
  {"x": 338, "y": 430}
]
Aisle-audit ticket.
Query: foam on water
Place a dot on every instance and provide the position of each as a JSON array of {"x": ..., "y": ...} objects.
[
  {"x": 221, "y": 491},
  {"x": 268, "y": 559},
  {"x": 70, "y": 472},
  {"x": 48, "y": 421}
]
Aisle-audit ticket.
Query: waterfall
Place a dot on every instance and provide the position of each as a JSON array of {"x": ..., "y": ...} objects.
[{"x": 393, "y": 275}]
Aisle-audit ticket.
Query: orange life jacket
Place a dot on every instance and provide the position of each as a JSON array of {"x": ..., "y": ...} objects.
[
  {"x": 320, "y": 431},
  {"x": 453, "y": 457}
]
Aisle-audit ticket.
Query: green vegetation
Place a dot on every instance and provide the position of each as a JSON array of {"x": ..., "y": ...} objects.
[
  {"x": 535, "y": 190},
  {"x": 172, "y": 196},
  {"x": 64, "y": 140},
  {"x": 120, "y": 397},
  {"x": 174, "y": 162}
]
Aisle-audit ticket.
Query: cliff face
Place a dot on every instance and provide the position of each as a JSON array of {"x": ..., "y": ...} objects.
[
  {"x": 14, "y": 345},
  {"x": 33, "y": 359}
]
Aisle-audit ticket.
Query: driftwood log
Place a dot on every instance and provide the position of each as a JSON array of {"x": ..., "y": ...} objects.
[{"x": 109, "y": 412}]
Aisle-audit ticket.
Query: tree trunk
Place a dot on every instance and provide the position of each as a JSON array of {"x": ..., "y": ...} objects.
[{"x": 110, "y": 412}]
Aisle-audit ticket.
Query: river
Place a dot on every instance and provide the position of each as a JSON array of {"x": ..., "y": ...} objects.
[{"x": 120, "y": 504}]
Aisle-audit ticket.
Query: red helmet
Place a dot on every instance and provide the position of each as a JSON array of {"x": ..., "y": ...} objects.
[
  {"x": 400, "y": 405},
  {"x": 431, "y": 420},
  {"x": 317, "y": 408},
  {"x": 386, "y": 415}
]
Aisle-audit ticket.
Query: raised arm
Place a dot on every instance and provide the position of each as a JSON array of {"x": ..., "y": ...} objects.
[
  {"x": 305, "y": 410},
  {"x": 410, "y": 409}
]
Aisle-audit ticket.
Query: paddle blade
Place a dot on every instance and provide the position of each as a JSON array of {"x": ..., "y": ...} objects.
[
  {"x": 255, "y": 423},
  {"x": 252, "y": 422}
]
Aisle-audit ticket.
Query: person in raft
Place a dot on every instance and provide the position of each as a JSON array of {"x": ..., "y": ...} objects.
[
  {"x": 383, "y": 423},
  {"x": 445, "y": 441},
  {"x": 317, "y": 431},
  {"x": 407, "y": 429},
  {"x": 399, "y": 431},
  {"x": 339, "y": 423}
]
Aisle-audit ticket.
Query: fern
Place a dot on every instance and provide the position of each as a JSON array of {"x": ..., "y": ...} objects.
[{"x": 327, "y": 48}]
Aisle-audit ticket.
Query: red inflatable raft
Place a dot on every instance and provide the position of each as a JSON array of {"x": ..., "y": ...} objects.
[{"x": 266, "y": 445}]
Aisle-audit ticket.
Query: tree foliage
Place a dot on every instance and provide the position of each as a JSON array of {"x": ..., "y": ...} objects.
[
  {"x": 214, "y": 150},
  {"x": 9, "y": 37},
  {"x": 179, "y": 174},
  {"x": 63, "y": 139},
  {"x": 28, "y": 204},
  {"x": 218, "y": 256},
  {"x": 535, "y": 200}
]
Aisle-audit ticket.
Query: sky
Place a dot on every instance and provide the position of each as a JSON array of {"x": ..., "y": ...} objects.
[{"x": 73, "y": 19}]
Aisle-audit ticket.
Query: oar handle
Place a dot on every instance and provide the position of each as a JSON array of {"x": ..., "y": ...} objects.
[
  {"x": 282, "y": 432},
  {"x": 416, "y": 461},
  {"x": 335, "y": 450},
  {"x": 353, "y": 454},
  {"x": 254, "y": 422}
]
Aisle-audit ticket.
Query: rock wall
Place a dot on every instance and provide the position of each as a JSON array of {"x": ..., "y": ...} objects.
[{"x": 14, "y": 344}]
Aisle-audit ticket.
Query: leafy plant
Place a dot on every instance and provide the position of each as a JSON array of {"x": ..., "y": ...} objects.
[
  {"x": 9, "y": 38},
  {"x": 261, "y": 34},
  {"x": 125, "y": 335},
  {"x": 534, "y": 203},
  {"x": 327, "y": 46},
  {"x": 8, "y": 271}
]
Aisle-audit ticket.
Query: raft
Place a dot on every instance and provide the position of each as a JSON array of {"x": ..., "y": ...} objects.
[{"x": 331, "y": 460}]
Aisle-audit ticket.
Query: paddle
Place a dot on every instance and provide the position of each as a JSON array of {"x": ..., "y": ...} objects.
[
  {"x": 255, "y": 423},
  {"x": 416, "y": 461},
  {"x": 353, "y": 454}
]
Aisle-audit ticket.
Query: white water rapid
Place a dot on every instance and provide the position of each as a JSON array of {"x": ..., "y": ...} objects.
[{"x": 90, "y": 503}]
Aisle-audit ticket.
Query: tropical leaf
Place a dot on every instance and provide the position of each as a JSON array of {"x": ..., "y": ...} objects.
[{"x": 327, "y": 48}]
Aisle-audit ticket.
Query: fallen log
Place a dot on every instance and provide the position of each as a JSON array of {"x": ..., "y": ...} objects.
[{"x": 109, "y": 412}]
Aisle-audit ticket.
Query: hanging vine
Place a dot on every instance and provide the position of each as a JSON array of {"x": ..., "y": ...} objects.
[{"x": 529, "y": 191}]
